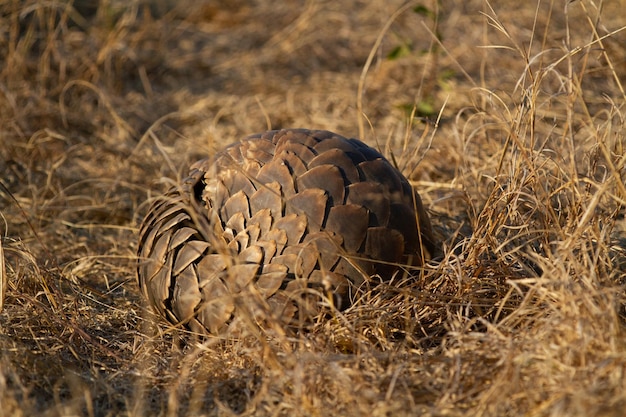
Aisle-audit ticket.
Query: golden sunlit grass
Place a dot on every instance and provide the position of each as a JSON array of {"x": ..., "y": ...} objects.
[{"x": 508, "y": 118}]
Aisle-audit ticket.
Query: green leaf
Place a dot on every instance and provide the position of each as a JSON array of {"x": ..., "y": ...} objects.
[
  {"x": 423, "y": 108},
  {"x": 424, "y": 11},
  {"x": 399, "y": 52}
]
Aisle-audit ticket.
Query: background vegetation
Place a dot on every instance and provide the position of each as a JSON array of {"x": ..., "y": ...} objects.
[{"x": 508, "y": 117}]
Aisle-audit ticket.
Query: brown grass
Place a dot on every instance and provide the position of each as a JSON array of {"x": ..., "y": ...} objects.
[{"x": 508, "y": 117}]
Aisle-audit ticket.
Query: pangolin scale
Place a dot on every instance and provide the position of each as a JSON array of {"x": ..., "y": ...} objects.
[{"x": 276, "y": 226}]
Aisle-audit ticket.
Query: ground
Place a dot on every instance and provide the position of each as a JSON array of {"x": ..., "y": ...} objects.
[{"x": 508, "y": 118}]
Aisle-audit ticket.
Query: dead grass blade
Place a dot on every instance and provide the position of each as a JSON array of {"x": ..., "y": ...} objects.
[{"x": 3, "y": 278}]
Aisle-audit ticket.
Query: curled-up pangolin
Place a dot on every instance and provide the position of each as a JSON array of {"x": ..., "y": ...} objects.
[{"x": 278, "y": 225}]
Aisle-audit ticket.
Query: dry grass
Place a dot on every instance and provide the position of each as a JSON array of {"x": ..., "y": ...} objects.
[{"x": 509, "y": 119}]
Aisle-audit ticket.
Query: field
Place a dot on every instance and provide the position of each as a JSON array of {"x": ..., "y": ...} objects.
[{"x": 508, "y": 117}]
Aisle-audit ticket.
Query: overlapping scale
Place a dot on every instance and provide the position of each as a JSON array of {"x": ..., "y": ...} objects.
[{"x": 276, "y": 226}]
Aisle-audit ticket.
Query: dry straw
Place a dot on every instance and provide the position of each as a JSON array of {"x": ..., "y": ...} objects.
[
  {"x": 3, "y": 278},
  {"x": 508, "y": 116}
]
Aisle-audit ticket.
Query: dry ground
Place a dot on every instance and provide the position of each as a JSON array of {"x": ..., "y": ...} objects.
[{"x": 508, "y": 116}]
